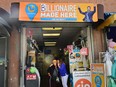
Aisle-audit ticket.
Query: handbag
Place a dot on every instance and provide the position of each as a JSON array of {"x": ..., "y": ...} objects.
[
  {"x": 84, "y": 53},
  {"x": 84, "y": 50},
  {"x": 111, "y": 82}
]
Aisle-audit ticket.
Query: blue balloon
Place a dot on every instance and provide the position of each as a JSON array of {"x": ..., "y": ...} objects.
[{"x": 31, "y": 11}]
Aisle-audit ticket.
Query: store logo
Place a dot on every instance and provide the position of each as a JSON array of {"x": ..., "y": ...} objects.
[
  {"x": 83, "y": 83},
  {"x": 31, "y": 11},
  {"x": 43, "y": 7}
]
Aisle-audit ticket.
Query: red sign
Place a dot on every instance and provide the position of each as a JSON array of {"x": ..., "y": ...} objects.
[
  {"x": 84, "y": 51},
  {"x": 83, "y": 83},
  {"x": 31, "y": 77}
]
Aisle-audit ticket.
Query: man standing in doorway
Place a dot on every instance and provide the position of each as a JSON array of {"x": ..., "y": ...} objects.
[{"x": 88, "y": 14}]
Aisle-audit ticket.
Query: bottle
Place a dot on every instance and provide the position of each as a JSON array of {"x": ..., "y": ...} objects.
[
  {"x": 108, "y": 67},
  {"x": 85, "y": 64},
  {"x": 114, "y": 68},
  {"x": 108, "y": 63}
]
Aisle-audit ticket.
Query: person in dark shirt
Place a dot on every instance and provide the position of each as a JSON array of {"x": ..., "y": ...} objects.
[
  {"x": 53, "y": 74},
  {"x": 88, "y": 14}
]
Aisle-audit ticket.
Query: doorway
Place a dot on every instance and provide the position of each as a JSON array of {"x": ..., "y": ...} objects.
[{"x": 49, "y": 40}]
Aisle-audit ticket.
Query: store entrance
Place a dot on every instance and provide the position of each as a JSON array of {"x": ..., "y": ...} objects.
[
  {"x": 52, "y": 41},
  {"x": 43, "y": 44}
]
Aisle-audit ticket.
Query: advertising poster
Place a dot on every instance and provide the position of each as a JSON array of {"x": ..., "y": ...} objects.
[
  {"x": 64, "y": 12},
  {"x": 98, "y": 75},
  {"x": 82, "y": 79},
  {"x": 75, "y": 59}
]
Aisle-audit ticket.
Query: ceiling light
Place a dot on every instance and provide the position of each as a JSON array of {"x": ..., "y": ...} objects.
[
  {"x": 52, "y": 34},
  {"x": 50, "y": 42},
  {"x": 52, "y": 29},
  {"x": 49, "y": 45}
]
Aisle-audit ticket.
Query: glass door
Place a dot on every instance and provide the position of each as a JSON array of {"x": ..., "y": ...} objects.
[{"x": 3, "y": 61}]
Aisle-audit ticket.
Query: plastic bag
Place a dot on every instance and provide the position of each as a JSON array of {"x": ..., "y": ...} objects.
[
  {"x": 57, "y": 79},
  {"x": 111, "y": 82}
]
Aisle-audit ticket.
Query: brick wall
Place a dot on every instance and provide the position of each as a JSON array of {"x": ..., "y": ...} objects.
[
  {"x": 109, "y": 5},
  {"x": 14, "y": 55}
]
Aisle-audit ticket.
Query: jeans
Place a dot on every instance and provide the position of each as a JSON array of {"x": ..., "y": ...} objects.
[{"x": 64, "y": 80}]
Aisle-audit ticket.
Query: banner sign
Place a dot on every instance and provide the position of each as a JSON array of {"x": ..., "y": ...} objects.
[
  {"x": 98, "y": 75},
  {"x": 82, "y": 79},
  {"x": 58, "y": 12}
]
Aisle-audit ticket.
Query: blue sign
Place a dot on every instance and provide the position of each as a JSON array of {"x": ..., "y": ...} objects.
[{"x": 31, "y": 11}]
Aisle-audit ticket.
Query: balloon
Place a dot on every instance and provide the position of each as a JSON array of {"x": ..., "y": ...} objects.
[
  {"x": 111, "y": 43},
  {"x": 32, "y": 69}
]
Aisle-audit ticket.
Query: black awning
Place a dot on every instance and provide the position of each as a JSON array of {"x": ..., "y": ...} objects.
[
  {"x": 5, "y": 27},
  {"x": 4, "y": 31}
]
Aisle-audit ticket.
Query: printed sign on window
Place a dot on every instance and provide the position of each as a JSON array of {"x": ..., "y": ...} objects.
[{"x": 82, "y": 79}]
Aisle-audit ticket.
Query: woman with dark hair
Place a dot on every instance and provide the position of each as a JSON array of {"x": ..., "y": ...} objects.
[{"x": 63, "y": 72}]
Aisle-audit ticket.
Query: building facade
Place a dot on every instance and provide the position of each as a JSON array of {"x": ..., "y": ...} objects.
[{"x": 14, "y": 41}]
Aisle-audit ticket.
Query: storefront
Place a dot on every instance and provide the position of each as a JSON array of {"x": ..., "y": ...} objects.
[{"x": 59, "y": 15}]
